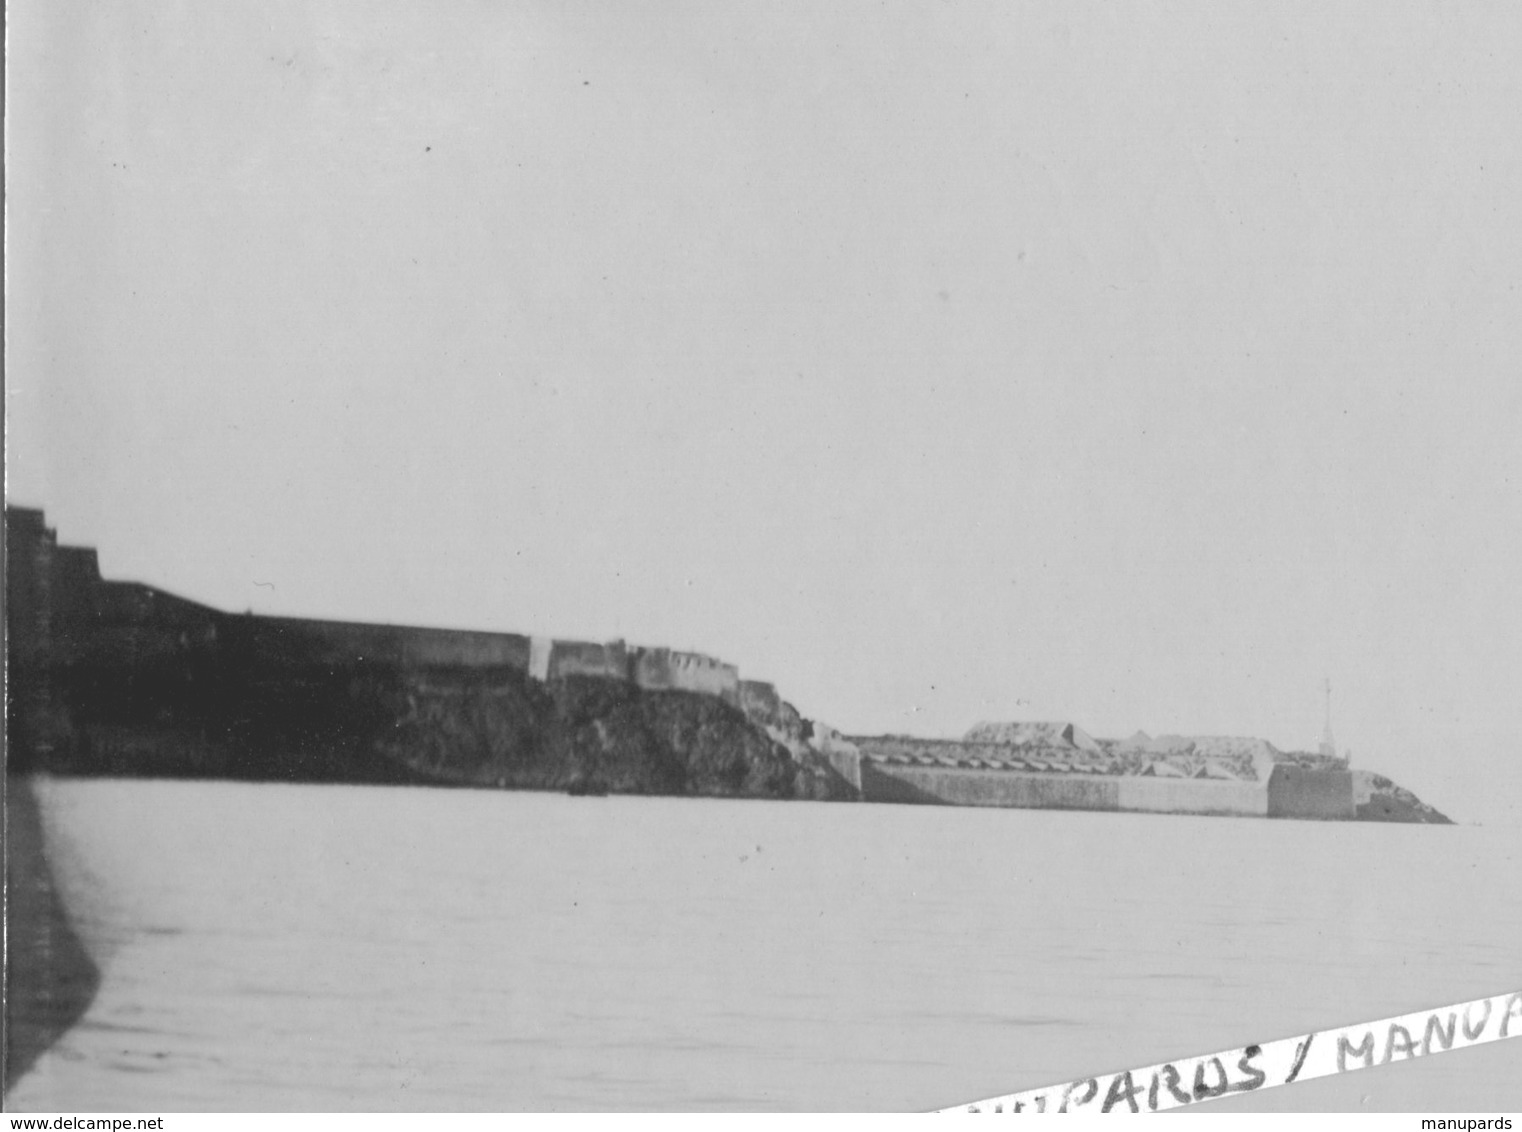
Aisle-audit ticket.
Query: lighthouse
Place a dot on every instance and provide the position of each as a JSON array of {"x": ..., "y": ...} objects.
[{"x": 1328, "y": 744}]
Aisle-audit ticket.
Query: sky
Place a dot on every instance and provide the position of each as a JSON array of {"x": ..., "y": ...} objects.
[{"x": 1137, "y": 365}]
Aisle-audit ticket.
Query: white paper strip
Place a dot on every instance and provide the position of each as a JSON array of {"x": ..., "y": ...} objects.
[{"x": 1192, "y": 1080}]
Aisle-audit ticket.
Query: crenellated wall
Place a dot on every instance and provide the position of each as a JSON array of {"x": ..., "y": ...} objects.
[{"x": 663, "y": 669}]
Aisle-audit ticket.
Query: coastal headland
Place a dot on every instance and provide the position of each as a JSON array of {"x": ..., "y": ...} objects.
[{"x": 119, "y": 678}]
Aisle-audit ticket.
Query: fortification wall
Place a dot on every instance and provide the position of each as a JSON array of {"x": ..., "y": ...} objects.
[
  {"x": 662, "y": 669},
  {"x": 539, "y": 649},
  {"x": 1297, "y": 792},
  {"x": 846, "y": 763},
  {"x": 584, "y": 658},
  {"x": 30, "y": 549},
  {"x": 958, "y": 787},
  {"x": 1191, "y": 796},
  {"x": 76, "y": 582},
  {"x": 298, "y": 641},
  {"x": 971, "y": 786}
]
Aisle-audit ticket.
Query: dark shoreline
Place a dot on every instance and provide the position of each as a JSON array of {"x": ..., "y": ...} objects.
[{"x": 50, "y": 979}]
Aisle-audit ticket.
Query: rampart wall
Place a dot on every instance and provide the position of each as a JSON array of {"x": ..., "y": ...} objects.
[
  {"x": 1191, "y": 796},
  {"x": 30, "y": 547},
  {"x": 586, "y": 658},
  {"x": 848, "y": 764},
  {"x": 539, "y": 651},
  {"x": 968, "y": 785},
  {"x": 298, "y": 641},
  {"x": 663, "y": 669},
  {"x": 959, "y": 787},
  {"x": 76, "y": 618}
]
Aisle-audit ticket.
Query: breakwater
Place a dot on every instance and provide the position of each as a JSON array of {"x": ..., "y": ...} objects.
[
  {"x": 980, "y": 772},
  {"x": 1289, "y": 793}
]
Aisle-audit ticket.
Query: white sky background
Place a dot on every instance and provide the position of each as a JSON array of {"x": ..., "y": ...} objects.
[{"x": 1131, "y": 364}]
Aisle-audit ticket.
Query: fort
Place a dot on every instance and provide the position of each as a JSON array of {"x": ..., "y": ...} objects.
[
  {"x": 119, "y": 678},
  {"x": 110, "y": 677}
]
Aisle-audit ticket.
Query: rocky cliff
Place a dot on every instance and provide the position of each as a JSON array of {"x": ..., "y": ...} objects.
[
  {"x": 587, "y": 735},
  {"x": 438, "y": 726}
]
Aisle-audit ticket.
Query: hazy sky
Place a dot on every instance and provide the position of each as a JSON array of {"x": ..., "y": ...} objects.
[{"x": 1139, "y": 365}]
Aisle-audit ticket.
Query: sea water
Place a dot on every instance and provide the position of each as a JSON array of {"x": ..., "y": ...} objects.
[{"x": 273, "y": 947}]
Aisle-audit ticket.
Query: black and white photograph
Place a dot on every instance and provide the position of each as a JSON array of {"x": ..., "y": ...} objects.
[{"x": 834, "y": 556}]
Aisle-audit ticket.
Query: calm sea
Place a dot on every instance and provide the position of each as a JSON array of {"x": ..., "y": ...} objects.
[{"x": 268, "y": 947}]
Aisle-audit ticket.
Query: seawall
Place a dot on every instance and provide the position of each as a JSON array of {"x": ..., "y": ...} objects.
[
  {"x": 1192, "y": 796},
  {"x": 956, "y": 786},
  {"x": 1291, "y": 792}
]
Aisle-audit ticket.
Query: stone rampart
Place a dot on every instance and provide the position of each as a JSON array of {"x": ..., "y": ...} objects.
[
  {"x": 583, "y": 658},
  {"x": 1191, "y": 796},
  {"x": 969, "y": 785},
  {"x": 539, "y": 649},
  {"x": 956, "y": 786},
  {"x": 663, "y": 669},
  {"x": 847, "y": 763},
  {"x": 299, "y": 641}
]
